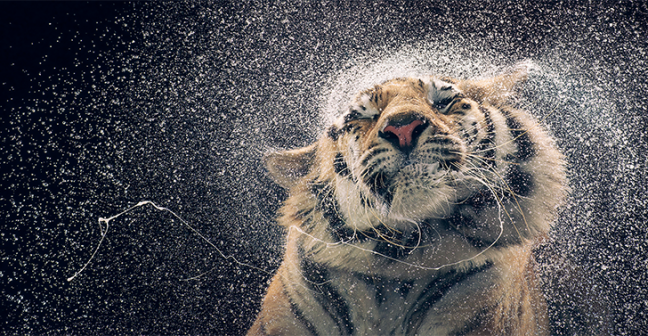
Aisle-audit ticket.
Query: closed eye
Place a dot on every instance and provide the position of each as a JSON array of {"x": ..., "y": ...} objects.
[
  {"x": 448, "y": 103},
  {"x": 355, "y": 114},
  {"x": 443, "y": 102}
]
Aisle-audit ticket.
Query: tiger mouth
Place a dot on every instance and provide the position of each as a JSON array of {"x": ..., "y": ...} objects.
[{"x": 383, "y": 186}]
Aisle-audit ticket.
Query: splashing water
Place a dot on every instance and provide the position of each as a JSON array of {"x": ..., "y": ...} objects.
[
  {"x": 104, "y": 225},
  {"x": 176, "y": 103},
  {"x": 408, "y": 62}
]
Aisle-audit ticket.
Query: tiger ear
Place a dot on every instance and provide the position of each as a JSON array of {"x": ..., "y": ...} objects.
[
  {"x": 496, "y": 90},
  {"x": 287, "y": 167}
]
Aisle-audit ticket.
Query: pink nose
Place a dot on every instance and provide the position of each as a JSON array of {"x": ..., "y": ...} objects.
[{"x": 404, "y": 132}]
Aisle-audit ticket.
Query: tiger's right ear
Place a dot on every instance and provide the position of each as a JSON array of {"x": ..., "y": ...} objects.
[
  {"x": 497, "y": 90},
  {"x": 287, "y": 167}
]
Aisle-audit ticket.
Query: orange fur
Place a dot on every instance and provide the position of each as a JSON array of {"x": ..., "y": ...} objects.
[{"x": 333, "y": 281}]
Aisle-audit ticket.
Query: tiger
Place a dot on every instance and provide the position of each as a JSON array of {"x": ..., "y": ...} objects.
[{"x": 416, "y": 213}]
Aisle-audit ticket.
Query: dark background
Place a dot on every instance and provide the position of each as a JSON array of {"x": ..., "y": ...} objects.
[{"x": 108, "y": 104}]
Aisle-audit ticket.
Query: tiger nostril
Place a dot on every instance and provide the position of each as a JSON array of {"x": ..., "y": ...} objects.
[{"x": 403, "y": 134}]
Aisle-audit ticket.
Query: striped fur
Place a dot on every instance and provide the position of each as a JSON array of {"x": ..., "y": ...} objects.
[{"x": 415, "y": 214}]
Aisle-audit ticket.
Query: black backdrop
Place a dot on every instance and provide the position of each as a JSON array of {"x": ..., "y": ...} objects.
[{"x": 108, "y": 104}]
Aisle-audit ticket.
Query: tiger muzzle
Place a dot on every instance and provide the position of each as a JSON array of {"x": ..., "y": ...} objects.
[{"x": 403, "y": 130}]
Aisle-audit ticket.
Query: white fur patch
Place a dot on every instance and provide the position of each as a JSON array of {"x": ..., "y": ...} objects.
[{"x": 441, "y": 93}]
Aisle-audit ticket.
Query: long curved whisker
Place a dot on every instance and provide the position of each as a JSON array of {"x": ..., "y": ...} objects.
[{"x": 506, "y": 187}]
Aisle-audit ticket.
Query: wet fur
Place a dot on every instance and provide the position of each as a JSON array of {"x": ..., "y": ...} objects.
[{"x": 433, "y": 238}]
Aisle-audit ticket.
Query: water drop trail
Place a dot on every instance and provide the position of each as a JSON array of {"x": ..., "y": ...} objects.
[{"x": 104, "y": 231}]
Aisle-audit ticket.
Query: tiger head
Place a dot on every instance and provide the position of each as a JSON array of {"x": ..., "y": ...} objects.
[{"x": 432, "y": 159}]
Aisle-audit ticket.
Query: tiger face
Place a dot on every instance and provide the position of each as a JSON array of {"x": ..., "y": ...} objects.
[
  {"x": 405, "y": 145},
  {"x": 417, "y": 167},
  {"x": 427, "y": 194}
]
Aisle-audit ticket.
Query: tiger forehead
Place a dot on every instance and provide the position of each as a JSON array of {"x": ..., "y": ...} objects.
[
  {"x": 399, "y": 87},
  {"x": 405, "y": 89}
]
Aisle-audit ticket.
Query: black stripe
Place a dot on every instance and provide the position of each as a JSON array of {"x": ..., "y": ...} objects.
[
  {"x": 304, "y": 216},
  {"x": 489, "y": 140},
  {"x": 525, "y": 147},
  {"x": 386, "y": 245},
  {"x": 347, "y": 234},
  {"x": 520, "y": 182},
  {"x": 464, "y": 225},
  {"x": 314, "y": 272},
  {"x": 380, "y": 294},
  {"x": 308, "y": 224},
  {"x": 346, "y": 128},
  {"x": 376, "y": 283},
  {"x": 330, "y": 208},
  {"x": 405, "y": 287},
  {"x": 327, "y": 203},
  {"x": 340, "y": 165},
  {"x": 390, "y": 250},
  {"x": 479, "y": 232},
  {"x": 372, "y": 145},
  {"x": 382, "y": 234},
  {"x": 303, "y": 213},
  {"x": 472, "y": 231},
  {"x": 327, "y": 295},
  {"x": 366, "y": 202},
  {"x": 474, "y": 133},
  {"x": 433, "y": 292},
  {"x": 461, "y": 113},
  {"x": 382, "y": 287},
  {"x": 297, "y": 312},
  {"x": 333, "y": 133},
  {"x": 479, "y": 242},
  {"x": 394, "y": 245},
  {"x": 482, "y": 199}
]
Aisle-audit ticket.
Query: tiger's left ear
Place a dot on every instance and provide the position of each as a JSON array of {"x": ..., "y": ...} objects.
[
  {"x": 496, "y": 90},
  {"x": 288, "y": 167}
]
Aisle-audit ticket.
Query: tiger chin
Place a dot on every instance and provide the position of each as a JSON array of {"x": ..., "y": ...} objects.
[{"x": 415, "y": 213}]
